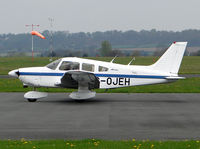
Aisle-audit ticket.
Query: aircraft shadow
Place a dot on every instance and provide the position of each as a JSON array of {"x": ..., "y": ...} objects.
[{"x": 99, "y": 100}]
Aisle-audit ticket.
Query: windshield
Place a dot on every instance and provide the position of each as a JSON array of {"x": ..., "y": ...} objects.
[{"x": 54, "y": 64}]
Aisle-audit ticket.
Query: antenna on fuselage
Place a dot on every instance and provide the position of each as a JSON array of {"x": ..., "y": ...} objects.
[
  {"x": 113, "y": 59},
  {"x": 133, "y": 59}
]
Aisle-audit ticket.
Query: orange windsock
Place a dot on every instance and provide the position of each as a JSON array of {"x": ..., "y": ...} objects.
[{"x": 37, "y": 34}]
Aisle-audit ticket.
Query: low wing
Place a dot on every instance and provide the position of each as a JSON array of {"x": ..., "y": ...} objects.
[{"x": 75, "y": 79}]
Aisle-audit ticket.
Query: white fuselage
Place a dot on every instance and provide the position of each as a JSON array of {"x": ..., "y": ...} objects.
[{"x": 110, "y": 75}]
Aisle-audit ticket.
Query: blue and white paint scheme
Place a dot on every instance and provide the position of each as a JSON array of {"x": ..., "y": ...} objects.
[{"x": 86, "y": 75}]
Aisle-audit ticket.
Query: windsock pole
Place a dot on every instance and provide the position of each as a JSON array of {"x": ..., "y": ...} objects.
[
  {"x": 32, "y": 50},
  {"x": 32, "y": 27}
]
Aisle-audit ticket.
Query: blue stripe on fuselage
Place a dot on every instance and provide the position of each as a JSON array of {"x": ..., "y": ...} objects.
[
  {"x": 40, "y": 74},
  {"x": 129, "y": 76},
  {"x": 97, "y": 75}
]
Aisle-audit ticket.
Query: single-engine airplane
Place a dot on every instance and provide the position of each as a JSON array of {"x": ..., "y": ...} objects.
[{"x": 85, "y": 74}]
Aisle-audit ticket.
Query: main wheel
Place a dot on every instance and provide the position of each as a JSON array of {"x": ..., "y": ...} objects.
[{"x": 32, "y": 100}]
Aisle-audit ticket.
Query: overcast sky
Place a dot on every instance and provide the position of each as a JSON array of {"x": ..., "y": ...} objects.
[{"x": 99, "y": 15}]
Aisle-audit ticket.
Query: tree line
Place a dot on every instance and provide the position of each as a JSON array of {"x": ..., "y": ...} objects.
[{"x": 90, "y": 43}]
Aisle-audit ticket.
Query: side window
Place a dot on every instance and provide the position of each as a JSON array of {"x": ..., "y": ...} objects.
[
  {"x": 88, "y": 67},
  {"x": 69, "y": 65},
  {"x": 101, "y": 69}
]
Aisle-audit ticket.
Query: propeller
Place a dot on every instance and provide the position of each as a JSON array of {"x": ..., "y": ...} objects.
[{"x": 14, "y": 73}]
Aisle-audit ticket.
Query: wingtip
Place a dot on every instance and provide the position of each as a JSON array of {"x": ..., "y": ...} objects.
[{"x": 180, "y": 43}]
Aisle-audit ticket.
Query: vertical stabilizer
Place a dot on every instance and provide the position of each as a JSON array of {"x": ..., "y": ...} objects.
[{"x": 170, "y": 61}]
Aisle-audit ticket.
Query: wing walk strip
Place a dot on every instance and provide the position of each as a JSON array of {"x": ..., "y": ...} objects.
[{"x": 97, "y": 75}]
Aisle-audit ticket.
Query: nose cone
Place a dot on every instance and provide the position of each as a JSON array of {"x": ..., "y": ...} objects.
[{"x": 14, "y": 73}]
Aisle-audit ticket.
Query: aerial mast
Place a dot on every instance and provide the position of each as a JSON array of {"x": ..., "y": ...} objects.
[
  {"x": 32, "y": 28},
  {"x": 51, "y": 37}
]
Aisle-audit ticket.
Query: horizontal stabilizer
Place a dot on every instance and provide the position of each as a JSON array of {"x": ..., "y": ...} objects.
[{"x": 174, "y": 78}]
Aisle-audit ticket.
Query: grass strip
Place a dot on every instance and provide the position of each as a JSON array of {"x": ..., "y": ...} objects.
[
  {"x": 98, "y": 144},
  {"x": 189, "y": 85}
]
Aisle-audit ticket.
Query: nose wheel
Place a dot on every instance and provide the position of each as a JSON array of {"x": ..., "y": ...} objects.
[{"x": 32, "y": 100}]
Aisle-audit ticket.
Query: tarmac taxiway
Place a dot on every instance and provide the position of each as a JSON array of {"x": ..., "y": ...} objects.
[{"x": 107, "y": 116}]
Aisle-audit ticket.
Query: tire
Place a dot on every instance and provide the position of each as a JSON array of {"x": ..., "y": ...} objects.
[{"x": 32, "y": 100}]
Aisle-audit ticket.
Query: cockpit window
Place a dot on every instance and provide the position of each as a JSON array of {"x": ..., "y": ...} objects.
[
  {"x": 66, "y": 65},
  {"x": 101, "y": 69},
  {"x": 54, "y": 64}
]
